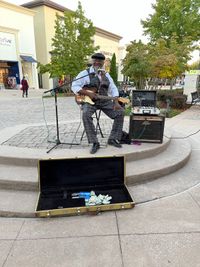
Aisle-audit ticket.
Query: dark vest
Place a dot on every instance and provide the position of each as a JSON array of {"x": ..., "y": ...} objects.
[{"x": 102, "y": 86}]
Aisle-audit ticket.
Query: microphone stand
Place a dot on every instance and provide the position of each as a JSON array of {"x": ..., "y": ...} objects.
[{"x": 55, "y": 90}]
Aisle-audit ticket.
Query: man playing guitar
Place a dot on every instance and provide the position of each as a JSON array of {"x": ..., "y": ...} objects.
[{"x": 97, "y": 85}]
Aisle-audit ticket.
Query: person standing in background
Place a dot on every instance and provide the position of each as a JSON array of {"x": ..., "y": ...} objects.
[{"x": 24, "y": 87}]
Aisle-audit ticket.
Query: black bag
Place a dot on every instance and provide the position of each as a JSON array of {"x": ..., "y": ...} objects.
[{"x": 125, "y": 138}]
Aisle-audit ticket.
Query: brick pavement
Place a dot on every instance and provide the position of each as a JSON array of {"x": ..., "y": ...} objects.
[
  {"x": 38, "y": 113},
  {"x": 32, "y": 110}
]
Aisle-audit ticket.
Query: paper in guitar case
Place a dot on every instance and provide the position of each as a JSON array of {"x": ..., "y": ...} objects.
[{"x": 59, "y": 179}]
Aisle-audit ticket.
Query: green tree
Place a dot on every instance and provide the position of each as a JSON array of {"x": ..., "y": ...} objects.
[
  {"x": 72, "y": 44},
  {"x": 167, "y": 62},
  {"x": 136, "y": 63},
  {"x": 155, "y": 61},
  {"x": 180, "y": 18},
  {"x": 113, "y": 69}
]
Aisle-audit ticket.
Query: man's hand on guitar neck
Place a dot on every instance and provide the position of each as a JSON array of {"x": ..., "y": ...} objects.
[{"x": 90, "y": 93}]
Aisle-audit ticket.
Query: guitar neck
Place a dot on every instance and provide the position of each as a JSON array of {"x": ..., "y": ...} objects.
[{"x": 120, "y": 99}]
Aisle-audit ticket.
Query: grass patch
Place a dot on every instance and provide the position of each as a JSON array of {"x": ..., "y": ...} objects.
[
  {"x": 173, "y": 112},
  {"x": 127, "y": 110}
]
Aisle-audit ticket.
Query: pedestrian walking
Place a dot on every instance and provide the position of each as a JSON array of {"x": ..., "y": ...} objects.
[{"x": 24, "y": 87}]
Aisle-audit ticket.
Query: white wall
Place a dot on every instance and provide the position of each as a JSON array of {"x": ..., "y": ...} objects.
[
  {"x": 190, "y": 83},
  {"x": 24, "y": 24},
  {"x": 20, "y": 23}
]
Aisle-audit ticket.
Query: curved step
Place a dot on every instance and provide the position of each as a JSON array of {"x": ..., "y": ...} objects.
[
  {"x": 29, "y": 157},
  {"x": 26, "y": 178},
  {"x": 18, "y": 177},
  {"x": 147, "y": 149},
  {"x": 22, "y": 177},
  {"x": 183, "y": 179},
  {"x": 15, "y": 181},
  {"x": 23, "y": 203},
  {"x": 173, "y": 158},
  {"x": 17, "y": 203}
]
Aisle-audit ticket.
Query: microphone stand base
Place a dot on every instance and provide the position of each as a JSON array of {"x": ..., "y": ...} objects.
[{"x": 57, "y": 143}]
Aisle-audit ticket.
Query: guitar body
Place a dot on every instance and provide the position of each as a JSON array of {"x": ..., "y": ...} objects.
[{"x": 80, "y": 99}]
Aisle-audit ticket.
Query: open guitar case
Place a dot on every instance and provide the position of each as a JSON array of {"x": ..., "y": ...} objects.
[{"x": 59, "y": 179}]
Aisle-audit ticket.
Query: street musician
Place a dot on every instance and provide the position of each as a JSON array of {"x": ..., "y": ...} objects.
[{"x": 98, "y": 86}]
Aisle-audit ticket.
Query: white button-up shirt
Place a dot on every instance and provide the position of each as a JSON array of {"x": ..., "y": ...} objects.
[{"x": 79, "y": 82}]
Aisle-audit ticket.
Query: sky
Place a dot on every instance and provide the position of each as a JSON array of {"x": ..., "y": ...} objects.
[{"x": 116, "y": 16}]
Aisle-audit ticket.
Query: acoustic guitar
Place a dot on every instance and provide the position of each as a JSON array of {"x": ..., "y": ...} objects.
[{"x": 80, "y": 99}]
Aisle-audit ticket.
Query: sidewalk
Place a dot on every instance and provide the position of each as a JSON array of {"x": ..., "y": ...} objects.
[
  {"x": 159, "y": 233},
  {"x": 17, "y": 93}
]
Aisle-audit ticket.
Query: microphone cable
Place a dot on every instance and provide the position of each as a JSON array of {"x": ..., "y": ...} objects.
[
  {"x": 79, "y": 125},
  {"x": 142, "y": 132},
  {"x": 47, "y": 127}
]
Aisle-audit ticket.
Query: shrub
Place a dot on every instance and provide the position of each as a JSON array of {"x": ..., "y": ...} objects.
[
  {"x": 179, "y": 101},
  {"x": 163, "y": 95},
  {"x": 176, "y": 97}
]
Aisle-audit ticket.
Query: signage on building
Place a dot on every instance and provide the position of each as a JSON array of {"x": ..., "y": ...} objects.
[
  {"x": 192, "y": 72},
  {"x": 7, "y": 47}
]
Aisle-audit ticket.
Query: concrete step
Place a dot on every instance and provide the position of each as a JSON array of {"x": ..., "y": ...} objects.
[
  {"x": 171, "y": 184},
  {"x": 146, "y": 150},
  {"x": 173, "y": 158},
  {"x": 176, "y": 154},
  {"x": 15, "y": 203},
  {"x": 29, "y": 157},
  {"x": 18, "y": 177},
  {"x": 19, "y": 183}
]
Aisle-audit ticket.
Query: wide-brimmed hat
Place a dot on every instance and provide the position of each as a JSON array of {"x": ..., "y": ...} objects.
[{"x": 98, "y": 56}]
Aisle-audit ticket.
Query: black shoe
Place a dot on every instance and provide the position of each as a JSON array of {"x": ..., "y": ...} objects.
[
  {"x": 114, "y": 142},
  {"x": 94, "y": 148}
]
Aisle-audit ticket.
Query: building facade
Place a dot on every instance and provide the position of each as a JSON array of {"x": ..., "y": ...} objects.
[
  {"x": 17, "y": 46},
  {"x": 44, "y": 22}
]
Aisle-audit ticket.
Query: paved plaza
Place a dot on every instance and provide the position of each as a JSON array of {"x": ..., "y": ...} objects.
[{"x": 162, "y": 230}]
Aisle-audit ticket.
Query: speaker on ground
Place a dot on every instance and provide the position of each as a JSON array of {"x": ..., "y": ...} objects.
[{"x": 146, "y": 128}]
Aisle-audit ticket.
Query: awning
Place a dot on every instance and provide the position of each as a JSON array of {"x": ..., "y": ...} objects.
[{"x": 28, "y": 59}]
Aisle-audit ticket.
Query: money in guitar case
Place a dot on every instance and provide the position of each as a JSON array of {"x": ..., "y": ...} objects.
[{"x": 75, "y": 186}]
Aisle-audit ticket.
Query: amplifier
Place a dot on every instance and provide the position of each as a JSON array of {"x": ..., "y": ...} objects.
[{"x": 146, "y": 128}]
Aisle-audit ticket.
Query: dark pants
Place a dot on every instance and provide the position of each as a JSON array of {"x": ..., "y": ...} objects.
[
  {"x": 25, "y": 92},
  {"x": 107, "y": 108}
]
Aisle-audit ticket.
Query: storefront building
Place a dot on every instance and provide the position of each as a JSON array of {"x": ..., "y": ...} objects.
[
  {"x": 17, "y": 46},
  {"x": 44, "y": 22}
]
